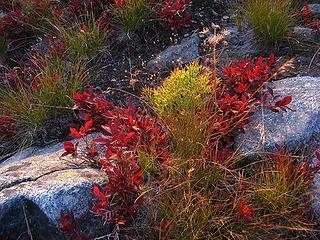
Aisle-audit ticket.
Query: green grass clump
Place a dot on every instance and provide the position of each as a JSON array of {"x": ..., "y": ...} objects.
[
  {"x": 132, "y": 14},
  {"x": 85, "y": 39},
  {"x": 281, "y": 181},
  {"x": 47, "y": 96},
  {"x": 271, "y": 20}
]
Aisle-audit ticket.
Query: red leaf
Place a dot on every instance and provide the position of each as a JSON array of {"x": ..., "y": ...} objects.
[
  {"x": 283, "y": 102},
  {"x": 287, "y": 100},
  {"x": 75, "y": 133},
  {"x": 88, "y": 124},
  {"x": 68, "y": 147},
  {"x": 128, "y": 136},
  {"x": 241, "y": 88},
  {"x": 96, "y": 191}
]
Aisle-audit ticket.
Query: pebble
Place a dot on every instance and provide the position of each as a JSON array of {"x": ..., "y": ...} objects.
[{"x": 224, "y": 18}]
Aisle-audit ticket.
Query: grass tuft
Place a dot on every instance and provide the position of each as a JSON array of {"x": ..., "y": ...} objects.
[
  {"x": 271, "y": 20},
  {"x": 46, "y": 96},
  {"x": 131, "y": 14}
]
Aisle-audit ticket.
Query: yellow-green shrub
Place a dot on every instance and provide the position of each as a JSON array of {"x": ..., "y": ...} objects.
[
  {"x": 183, "y": 90},
  {"x": 181, "y": 101}
]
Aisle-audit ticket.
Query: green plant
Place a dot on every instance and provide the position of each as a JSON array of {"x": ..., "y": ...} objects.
[
  {"x": 85, "y": 39},
  {"x": 45, "y": 95},
  {"x": 184, "y": 89},
  {"x": 271, "y": 20},
  {"x": 131, "y": 14},
  {"x": 282, "y": 181},
  {"x": 181, "y": 103},
  {"x": 40, "y": 15}
]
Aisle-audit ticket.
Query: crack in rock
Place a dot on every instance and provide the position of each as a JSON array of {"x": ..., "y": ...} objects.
[{"x": 31, "y": 179}]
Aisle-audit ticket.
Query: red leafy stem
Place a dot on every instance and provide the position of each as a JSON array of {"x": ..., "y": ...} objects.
[
  {"x": 126, "y": 134},
  {"x": 176, "y": 13},
  {"x": 306, "y": 169},
  {"x": 120, "y": 198},
  {"x": 276, "y": 104},
  {"x": 309, "y": 20},
  {"x": 70, "y": 227}
]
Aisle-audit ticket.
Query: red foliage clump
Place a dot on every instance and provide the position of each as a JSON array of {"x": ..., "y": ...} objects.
[
  {"x": 7, "y": 6},
  {"x": 70, "y": 227},
  {"x": 78, "y": 6},
  {"x": 58, "y": 46},
  {"x": 245, "y": 210},
  {"x": 125, "y": 134},
  {"x": 309, "y": 20},
  {"x": 120, "y": 2},
  {"x": 241, "y": 91},
  {"x": 75, "y": 6},
  {"x": 12, "y": 25},
  {"x": 244, "y": 78},
  {"x": 176, "y": 13},
  {"x": 119, "y": 199}
]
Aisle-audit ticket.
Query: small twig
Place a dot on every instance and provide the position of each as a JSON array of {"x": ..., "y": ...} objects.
[
  {"x": 314, "y": 56},
  {"x": 27, "y": 223}
]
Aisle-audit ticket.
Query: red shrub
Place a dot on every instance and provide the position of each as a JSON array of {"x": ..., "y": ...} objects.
[
  {"x": 78, "y": 7},
  {"x": 238, "y": 95},
  {"x": 126, "y": 133},
  {"x": 120, "y": 198},
  {"x": 176, "y": 13},
  {"x": 75, "y": 6},
  {"x": 7, "y": 6},
  {"x": 58, "y": 46}
]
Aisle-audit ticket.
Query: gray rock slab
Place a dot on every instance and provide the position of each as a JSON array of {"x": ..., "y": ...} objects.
[
  {"x": 40, "y": 177},
  {"x": 292, "y": 129},
  {"x": 182, "y": 53},
  {"x": 305, "y": 33}
]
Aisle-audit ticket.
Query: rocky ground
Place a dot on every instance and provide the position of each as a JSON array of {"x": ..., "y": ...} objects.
[{"x": 43, "y": 184}]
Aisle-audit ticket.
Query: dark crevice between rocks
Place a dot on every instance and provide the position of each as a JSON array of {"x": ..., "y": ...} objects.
[
  {"x": 24, "y": 216},
  {"x": 30, "y": 179}
]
